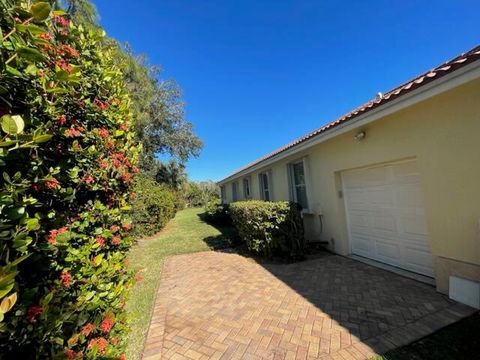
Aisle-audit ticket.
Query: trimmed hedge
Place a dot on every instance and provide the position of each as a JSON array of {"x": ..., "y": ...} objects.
[
  {"x": 217, "y": 213},
  {"x": 153, "y": 205},
  {"x": 67, "y": 158},
  {"x": 270, "y": 228}
]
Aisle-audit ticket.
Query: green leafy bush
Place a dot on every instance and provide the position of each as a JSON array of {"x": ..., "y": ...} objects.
[
  {"x": 217, "y": 213},
  {"x": 270, "y": 228},
  {"x": 67, "y": 159},
  {"x": 153, "y": 205}
]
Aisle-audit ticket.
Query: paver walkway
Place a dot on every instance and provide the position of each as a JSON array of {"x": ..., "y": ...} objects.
[{"x": 217, "y": 305}]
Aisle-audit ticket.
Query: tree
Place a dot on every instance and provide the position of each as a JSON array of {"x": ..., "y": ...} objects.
[
  {"x": 171, "y": 174},
  {"x": 160, "y": 122},
  {"x": 201, "y": 193},
  {"x": 81, "y": 11},
  {"x": 161, "y": 126}
]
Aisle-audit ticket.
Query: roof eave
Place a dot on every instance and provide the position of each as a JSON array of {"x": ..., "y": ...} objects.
[{"x": 447, "y": 82}]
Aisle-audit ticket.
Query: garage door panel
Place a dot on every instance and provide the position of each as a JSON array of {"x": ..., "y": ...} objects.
[
  {"x": 388, "y": 252},
  {"x": 380, "y": 196},
  {"x": 419, "y": 260},
  {"x": 385, "y": 223},
  {"x": 415, "y": 226},
  {"x": 359, "y": 220},
  {"x": 386, "y": 217}
]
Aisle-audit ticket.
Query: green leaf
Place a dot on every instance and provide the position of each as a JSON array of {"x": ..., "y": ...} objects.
[
  {"x": 31, "y": 70},
  {"x": 8, "y": 278},
  {"x": 42, "y": 138},
  {"x": 12, "y": 124},
  {"x": 32, "y": 224},
  {"x": 31, "y": 28},
  {"x": 14, "y": 72},
  {"x": 8, "y": 143},
  {"x": 89, "y": 295},
  {"x": 6, "y": 289},
  {"x": 40, "y": 10},
  {"x": 15, "y": 213},
  {"x": 30, "y": 54}
]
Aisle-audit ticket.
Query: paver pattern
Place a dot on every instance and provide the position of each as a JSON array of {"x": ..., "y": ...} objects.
[{"x": 216, "y": 305}]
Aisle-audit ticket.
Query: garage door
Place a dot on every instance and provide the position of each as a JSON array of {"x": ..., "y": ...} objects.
[{"x": 386, "y": 216}]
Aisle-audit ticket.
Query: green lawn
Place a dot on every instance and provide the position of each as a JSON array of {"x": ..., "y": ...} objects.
[{"x": 186, "y": 233}]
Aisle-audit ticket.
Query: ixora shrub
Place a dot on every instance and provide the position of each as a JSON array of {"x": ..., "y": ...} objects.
[
  {"x": 66, "y": 163},
  {"x": 153, "y": 205},
  {"x": 270, "y": 228}
]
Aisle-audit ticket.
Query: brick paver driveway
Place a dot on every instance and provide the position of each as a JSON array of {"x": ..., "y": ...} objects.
[{"x": 217, "y": 305}]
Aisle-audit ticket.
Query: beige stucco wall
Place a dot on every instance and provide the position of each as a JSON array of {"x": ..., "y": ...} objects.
[{"x": 443, "y": 135}]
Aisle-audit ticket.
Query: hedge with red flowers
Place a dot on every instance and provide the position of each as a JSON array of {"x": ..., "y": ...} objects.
[{"x": 67, "y": 158}]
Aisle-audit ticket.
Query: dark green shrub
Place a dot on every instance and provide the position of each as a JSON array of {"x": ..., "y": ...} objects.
[
  {"x": 217, "y": 213},
  {"x": 67, "y": 158},
  {"x": 153, "y": 206},
  {"x": 270, "y": 228}
]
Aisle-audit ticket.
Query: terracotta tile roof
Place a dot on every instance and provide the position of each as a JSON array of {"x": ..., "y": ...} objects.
[{"x": 419, "y": 81}]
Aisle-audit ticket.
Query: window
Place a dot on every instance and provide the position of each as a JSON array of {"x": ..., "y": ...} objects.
[
  {"x": 222, "y": 194},
  {"x": 246, "y": 188},
  {"x": 265, "y": 186},
  {"x": 298, "y": 183},
  {"x": 234, "y": 192}
]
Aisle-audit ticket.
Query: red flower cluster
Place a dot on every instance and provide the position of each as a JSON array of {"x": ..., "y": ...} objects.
[
  {"x": 52, "y": 237},
  {"x": 61, "y": 21},
  {"x": 66, "y": 278},
  {"x": 46, "y": 36},
  {"x": 103, "y": 164},
  {"x": 87, "y": 179},
  {"x": 62, "y": 120},
  {"x": 127, "y": 226},
  {"x": 127, "y": 177},
  {"x": 71, "y": 354},
  {"x": 64, "y": 65},
  {"x": 88, "y": 329},
  {"x": 103, "y": 133},
  {"x": 116, "y": 240},
  {"x": 33, "y": 312},
  {"x": 123, "y": 127},
  {"x": 135, "y": 170},
  {"x": 114, "y": 228},
  {"x": 100, "y": 240},
  {"x": 101, "y": 343},
  {"x": 107, "y": 324},
  {"x": 67, "y": 50},
  {"x": 52, "y": 183},
  {"x": 102, "y": 105},
  {"x": 74, "y": 131}
]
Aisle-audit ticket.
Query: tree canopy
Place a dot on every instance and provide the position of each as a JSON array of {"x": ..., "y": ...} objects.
[{"x": 160, "y": 122}]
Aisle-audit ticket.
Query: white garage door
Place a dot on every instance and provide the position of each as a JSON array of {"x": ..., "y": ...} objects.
[{"x": 386, "y": 216}]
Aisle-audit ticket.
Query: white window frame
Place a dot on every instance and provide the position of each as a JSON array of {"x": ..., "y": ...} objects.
[
  {"x": 234, "y": 191},
  {"x": 263, "y": 190},
  {"x": 247, "y": 185},
  {"x": 292, "y": 186}
]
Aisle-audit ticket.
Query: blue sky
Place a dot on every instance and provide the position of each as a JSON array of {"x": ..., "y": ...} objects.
[{"x": 257, "y": 74}]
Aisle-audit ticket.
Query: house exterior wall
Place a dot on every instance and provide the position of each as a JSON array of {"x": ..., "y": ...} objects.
[{"x": 443, "y": 135}]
